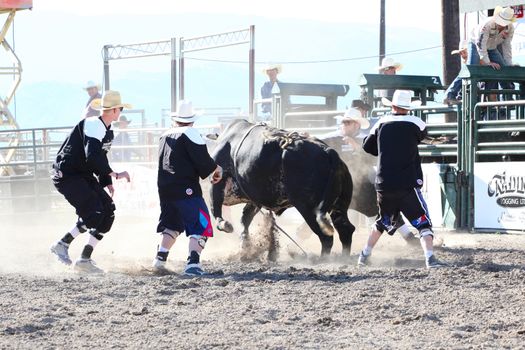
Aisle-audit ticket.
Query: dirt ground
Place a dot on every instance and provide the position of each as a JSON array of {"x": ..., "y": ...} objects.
[{"x": 295, "y": 303}]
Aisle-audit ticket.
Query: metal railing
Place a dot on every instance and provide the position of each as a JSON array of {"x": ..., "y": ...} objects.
[{"x": 25, "y": 183}]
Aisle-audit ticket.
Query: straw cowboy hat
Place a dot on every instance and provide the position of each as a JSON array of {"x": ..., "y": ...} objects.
[
  {"x": 91, "y": 84},
  {"x": 272, "y": 66},
  {"x": 401, "y": 99},
  {"x": 185, "y": 112},
  {"x": 388, "y": 62},
  {"x": 504, "y": 16},
  {"x": 461, "y": 47},
  {"x": 355, "y": 115},
  {"x": 110, "y": 99}
]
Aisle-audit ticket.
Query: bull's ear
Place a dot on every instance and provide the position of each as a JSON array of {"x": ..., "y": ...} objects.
[{"x": 213, "y": 136}]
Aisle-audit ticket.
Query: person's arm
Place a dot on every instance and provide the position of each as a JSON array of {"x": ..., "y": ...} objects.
[
  {"x": 481, "y": 44},
  {"x": 201, "y": 159},
  {"x": 506, "y": 46},
  {"x": 370, "y": 144},
  {"x": 94, "y": 132}
]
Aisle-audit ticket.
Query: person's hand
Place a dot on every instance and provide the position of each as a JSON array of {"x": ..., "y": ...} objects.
[
  {"x": 495, "y": 65},
  {"x": 217, "y": 175},
  {"x": 111, "y": 190},
  {"x": 122, "y": 175}
]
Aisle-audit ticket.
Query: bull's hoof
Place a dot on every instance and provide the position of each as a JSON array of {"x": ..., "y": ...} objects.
[
  {"x": 273, "y": 255},
  {"x": 225, "y": 226}
]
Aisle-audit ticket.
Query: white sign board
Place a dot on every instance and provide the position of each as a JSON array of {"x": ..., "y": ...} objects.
[{"x": 499, "y": 196}]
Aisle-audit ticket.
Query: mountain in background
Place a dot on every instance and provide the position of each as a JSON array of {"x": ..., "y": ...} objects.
[{"x": 219, "y": 78}]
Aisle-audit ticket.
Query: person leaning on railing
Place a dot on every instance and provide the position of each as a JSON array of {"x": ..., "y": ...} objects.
[{"x": 491, "y": 44}]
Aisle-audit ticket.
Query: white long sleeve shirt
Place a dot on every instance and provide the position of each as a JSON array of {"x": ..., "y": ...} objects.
[{"x": 486, "y": 37}]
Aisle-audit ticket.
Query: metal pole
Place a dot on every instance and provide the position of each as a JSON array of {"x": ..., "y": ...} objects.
[
  {"x": 181, "y": 69},
  {"x": 173, "y": 74},
  {"x": 450, "y": 39},
  {"x": 251, "y": 68},
  {"x": 382, "y": 32},
  {"x": 106, "y": 68}
]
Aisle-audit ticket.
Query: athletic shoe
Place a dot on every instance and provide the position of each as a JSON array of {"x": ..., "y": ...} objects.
[
  {"x": 87, "y": 266},
  {"x": 362, "y": 261},
  {"x": 159, "y": 265},
  {"x": 432, "y": 263},
  {"x": 60, "y": 249},
  {"x": 193, "y": 270}
]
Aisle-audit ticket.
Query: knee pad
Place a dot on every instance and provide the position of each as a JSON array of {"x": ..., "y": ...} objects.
[
  {"x": 172, "y": 233},
  {"x": 201, "y": 240},
  {"x": 426, "y": 232}
]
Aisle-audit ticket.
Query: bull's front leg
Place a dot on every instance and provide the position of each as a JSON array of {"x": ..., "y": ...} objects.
[
  {"x": 248, "y": 213},
  {"x": 217, "y": 199}
]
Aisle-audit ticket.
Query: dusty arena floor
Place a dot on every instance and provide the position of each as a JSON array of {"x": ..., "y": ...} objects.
[{"x": 296, "y": 303}]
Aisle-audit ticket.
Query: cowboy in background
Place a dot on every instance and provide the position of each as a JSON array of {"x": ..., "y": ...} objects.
[
  {"x": 183, "y": 159},
  {"x": 388, "y": 67},
  {"x": 271, "y": 71},
  {"x": 122, "y": 139},
  {"x": 453, "y": 92},
  {"x": 82, "y": 174},
  {"x": 93, "y": 91},
  {"x": 491, "y": 43},
  {"x": 347, "y": 139}
]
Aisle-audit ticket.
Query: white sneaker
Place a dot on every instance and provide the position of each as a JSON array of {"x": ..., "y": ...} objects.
[
  {"x": 87, "y": 266},
  {"x": 60, "y": 249},
  {"x": 159, "y": 265}
]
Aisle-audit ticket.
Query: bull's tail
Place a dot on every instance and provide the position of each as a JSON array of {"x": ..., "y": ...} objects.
[{"x": 331, "y": 192}]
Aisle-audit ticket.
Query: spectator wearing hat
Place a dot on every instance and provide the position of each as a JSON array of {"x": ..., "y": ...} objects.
[
  {"x": 388, "y": 67},
  {"x": 183, "y": 159},
  {"x": 82, "y": 174},
  {"x": 122, "y": 139},
  {"x": 361, "y": 107},
  {"x": 453, "y": 92},
  {"x": 93, "y": 91},
  {"x": 347, "y": 139},
  {"x": 394, "y": 140},
  {"x": 271, "y": 70},
  {"x": 491, "y": 43}
]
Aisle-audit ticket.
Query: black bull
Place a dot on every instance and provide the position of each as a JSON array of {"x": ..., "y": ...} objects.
[{"x": 270, "y": 168}]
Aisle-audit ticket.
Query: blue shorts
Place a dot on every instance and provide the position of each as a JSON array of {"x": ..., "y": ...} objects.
[{"x": 190, "y": 215}]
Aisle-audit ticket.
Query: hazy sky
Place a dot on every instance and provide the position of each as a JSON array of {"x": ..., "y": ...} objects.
[
  {"x": 59, "y": 43},
  {"x": 56, "y": 33}
]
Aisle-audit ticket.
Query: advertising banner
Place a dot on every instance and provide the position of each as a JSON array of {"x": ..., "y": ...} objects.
[{"x": 499, "y": 196}]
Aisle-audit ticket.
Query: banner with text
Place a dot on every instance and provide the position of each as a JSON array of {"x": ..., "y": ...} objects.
[{"x": 499, "y": 195}]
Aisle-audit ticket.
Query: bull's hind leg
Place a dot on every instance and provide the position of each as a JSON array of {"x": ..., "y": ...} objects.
[
  {"x": 344, "y": 227},
  {"x": 326, "y": 241}
]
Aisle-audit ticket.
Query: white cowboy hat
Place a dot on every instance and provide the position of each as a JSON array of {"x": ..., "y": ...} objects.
[
  {"x": 388, "y": 62},
  {"x": 353, "y": 114},
  {"x": 504, "y": 16},
  {"x": 121, "y": 121},
  {"x": 461, "y": 47},
  {"x": 272, "y": 66},
  {"x": 91, "y": 84},
  {"x": 185, "y": 112},
  {"x": 401, "y": 99},
  {"x": 110, "y": 99}
]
